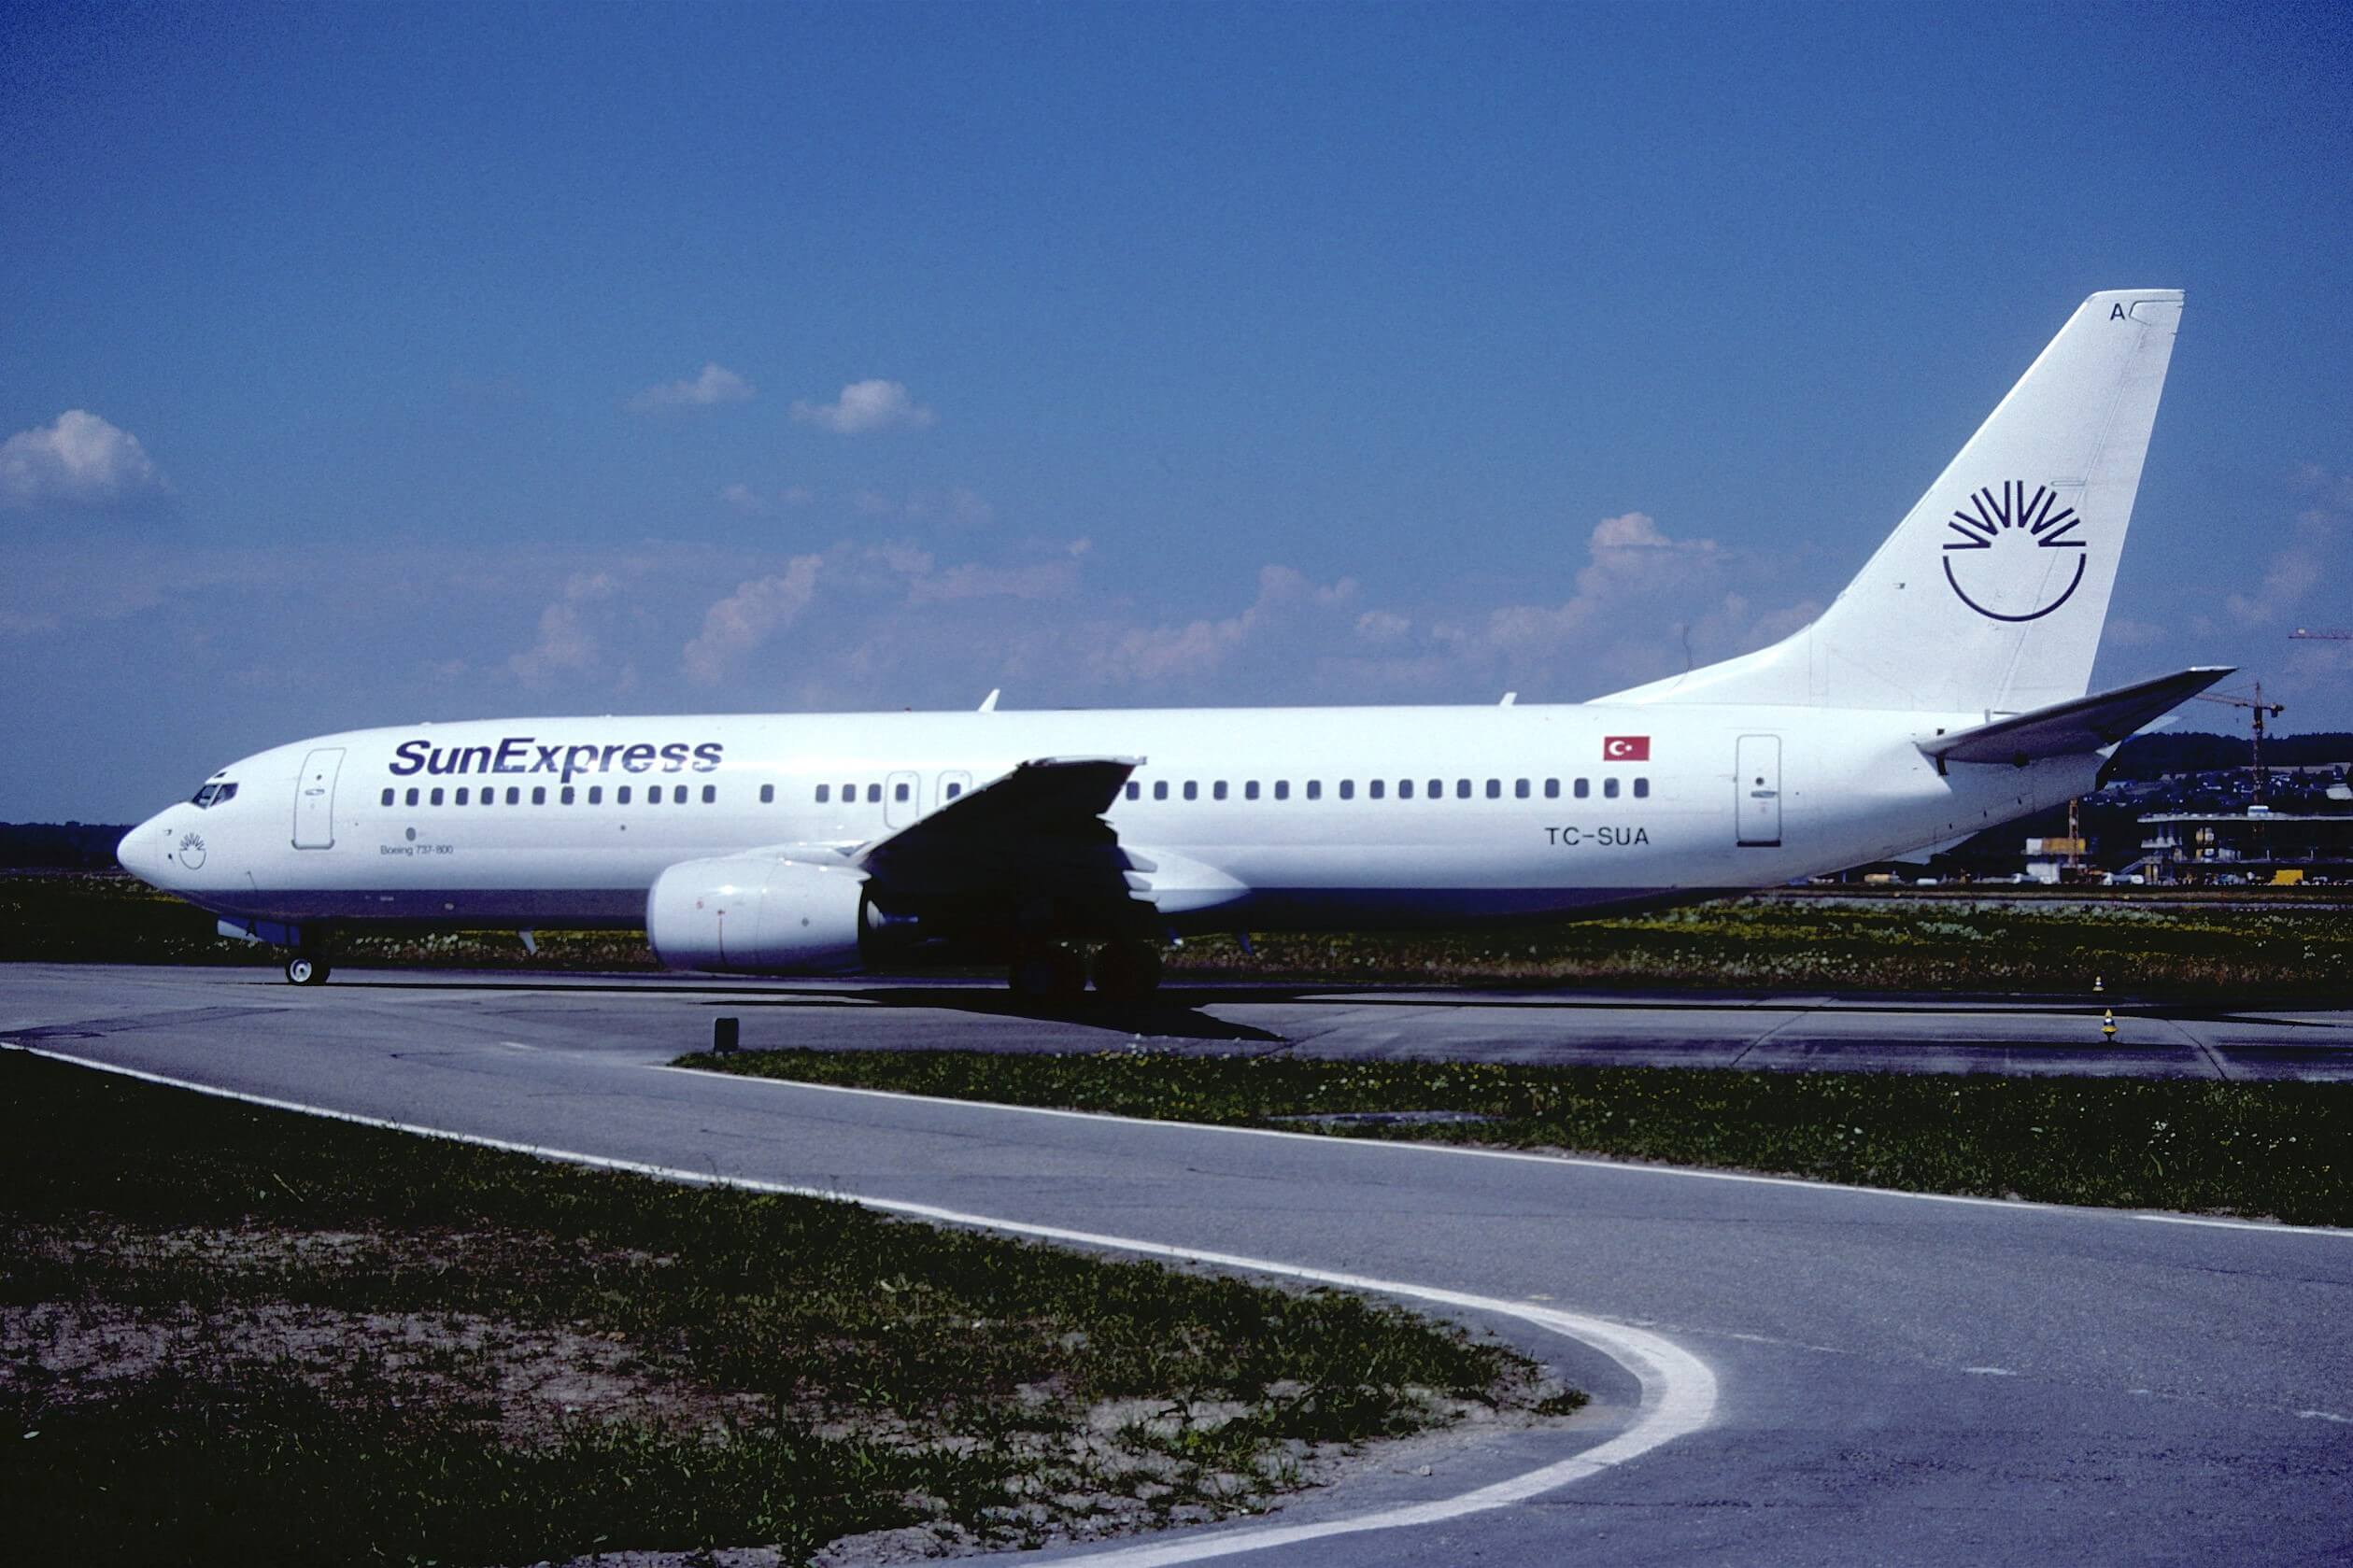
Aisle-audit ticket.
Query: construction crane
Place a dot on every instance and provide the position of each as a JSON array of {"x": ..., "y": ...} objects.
[
  {"x": 2255, "y": 709},
  {"x": 2307, "y": 634}
]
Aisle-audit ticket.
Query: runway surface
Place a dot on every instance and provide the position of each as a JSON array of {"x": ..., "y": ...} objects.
[{"x": 1898, "y": 1380}]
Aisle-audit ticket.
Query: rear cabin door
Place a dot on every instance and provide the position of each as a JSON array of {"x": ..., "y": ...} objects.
[
  {"x": 315, "y": 799},
  {"x": 1757, "y": 790}
]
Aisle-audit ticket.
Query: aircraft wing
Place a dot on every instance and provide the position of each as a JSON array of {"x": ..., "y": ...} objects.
[
  {"x": 2067, "y": 728},
  {"x": 1033, "y": 836}
]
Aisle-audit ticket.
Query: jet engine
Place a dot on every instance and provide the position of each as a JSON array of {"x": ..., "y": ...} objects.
[{"x": 757, "y": 914}]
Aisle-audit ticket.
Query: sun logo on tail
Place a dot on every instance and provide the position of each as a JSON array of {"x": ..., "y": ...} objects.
[{"x": 1999, "y": 573}]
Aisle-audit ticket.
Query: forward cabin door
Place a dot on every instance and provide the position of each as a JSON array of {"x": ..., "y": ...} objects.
[
  {"x": 315, "y": 799},
  {"x": 1757, "y": 791}
]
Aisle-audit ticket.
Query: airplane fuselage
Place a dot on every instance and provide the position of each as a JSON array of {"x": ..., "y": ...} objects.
[{"x": 1301, "y": 818}]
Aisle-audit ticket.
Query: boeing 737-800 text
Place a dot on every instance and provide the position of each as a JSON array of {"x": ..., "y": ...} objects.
[{"x": 1944, "y": 691}]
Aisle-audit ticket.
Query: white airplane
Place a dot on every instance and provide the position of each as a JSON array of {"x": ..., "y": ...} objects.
[{"x": 1943, "y": 692}]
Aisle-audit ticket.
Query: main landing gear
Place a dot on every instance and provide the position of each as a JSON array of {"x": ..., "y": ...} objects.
[
  {"x": 307, "y": 970},
  {"x": 1055, "y": 975}
]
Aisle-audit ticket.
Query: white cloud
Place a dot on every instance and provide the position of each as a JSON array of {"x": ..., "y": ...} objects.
[
  {"x": 744, "y": 499},
  {"x": 1151, "y": 654},
  {"x": 864, "y": 407},
  {"x": 79, "y": 459},
  {"x": 1053, "y": 579},
  {"x": 565, "y": 644},
  {"x": 2292, "y": 573},
  {"x": 741, "y": 621},
  {"x": 716, "y": 385}
]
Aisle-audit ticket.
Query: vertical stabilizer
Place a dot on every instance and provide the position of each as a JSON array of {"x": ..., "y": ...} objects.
[{"x": 1989, "y": 594}]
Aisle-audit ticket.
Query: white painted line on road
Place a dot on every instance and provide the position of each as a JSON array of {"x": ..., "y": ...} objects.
[
  {"x": 1581, "y": 1161},
  {"x": 1679, "y": 1390}
]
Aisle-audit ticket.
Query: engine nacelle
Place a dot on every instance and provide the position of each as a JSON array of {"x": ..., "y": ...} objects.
[{"x": 757, "y": 914}]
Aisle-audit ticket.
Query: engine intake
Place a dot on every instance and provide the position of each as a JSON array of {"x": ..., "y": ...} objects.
[{"x": 757, "y": 914}]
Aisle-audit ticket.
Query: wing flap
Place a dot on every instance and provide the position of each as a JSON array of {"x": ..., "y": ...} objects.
[
  {"x": 1038, "y": 829},
  {"x": 2086, "y": 724}
]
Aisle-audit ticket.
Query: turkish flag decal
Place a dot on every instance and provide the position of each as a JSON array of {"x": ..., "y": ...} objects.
[{"x": 1625, "y": 748}]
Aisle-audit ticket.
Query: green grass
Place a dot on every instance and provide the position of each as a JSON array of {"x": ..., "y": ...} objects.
[
  {"x": 2282, "y": 1150},
  {"x": 2213, "y": 947},
  {"x": 2180, "y": 948},
  {"x": 230, "y": 1334}
]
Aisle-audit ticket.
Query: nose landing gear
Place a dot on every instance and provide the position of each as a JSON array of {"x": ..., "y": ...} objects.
[{"x": 305, "y": 970}]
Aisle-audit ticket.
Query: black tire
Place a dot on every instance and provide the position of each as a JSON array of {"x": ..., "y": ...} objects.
[
  {"x": 302, "y": 969},
  {"x": 1128, "y": 971},
  {"x": 1049, "y": 977}
]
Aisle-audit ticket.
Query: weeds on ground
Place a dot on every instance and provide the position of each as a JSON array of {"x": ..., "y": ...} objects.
[
  {"x": 230, "y": 1333},
  {"x": 2283, "y": 1150}
]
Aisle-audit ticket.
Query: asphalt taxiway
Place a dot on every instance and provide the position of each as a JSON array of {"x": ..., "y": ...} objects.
[{"x": 1891, "y": 1378}]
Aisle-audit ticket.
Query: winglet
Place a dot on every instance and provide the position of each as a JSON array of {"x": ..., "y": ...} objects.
[{"x": 988, "y": 703}]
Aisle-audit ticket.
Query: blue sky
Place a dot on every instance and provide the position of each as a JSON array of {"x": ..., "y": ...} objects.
[{"x": 370, "y": 364}]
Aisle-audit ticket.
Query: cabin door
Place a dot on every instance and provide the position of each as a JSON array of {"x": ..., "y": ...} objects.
[
  {"x": 315, "y": 799},
  {"x": 1757, "y": 791}
]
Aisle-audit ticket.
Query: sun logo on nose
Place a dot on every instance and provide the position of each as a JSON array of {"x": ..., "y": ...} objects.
[
  {"x": 1995, "y": 566},
  {"x": 192, "y": 851}
]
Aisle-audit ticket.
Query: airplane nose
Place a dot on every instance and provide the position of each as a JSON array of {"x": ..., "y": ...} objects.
[{"x": 141, "y": 851}]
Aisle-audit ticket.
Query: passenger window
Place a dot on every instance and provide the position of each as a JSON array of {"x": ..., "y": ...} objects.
[
  {"x": 566, "y": 796},
  {"x": 435, "y": 799},
  {"x": 1347, "y": 790},
  {"x": 897, "y": 793},
  {"x": 1609, "y": 788},
  {"x": 1283, "y": 789},
  {"x": 1552, "y": 789},
  {"x": 489, "y": 796},
  {"x": 849, "y": 795},
  {"x": 1134, "y": 790},
  {"x": 1192, "y": 790},
  {"x": 710, "y": 794},
  {"x": 1520, "y": 790},
  {"x": 1494, "y": 789},
  {"x": 1315, "y": 789},
  {"x": 1250, "y": 789},
  {"x": 1462, "y": 789},
  {"x": 1437, "y": 789},
  {"x": 1375, "y": 787},
  {"x": 873, "y": 794},
  {"x": 514, "y": 795},
  {"x": 768, "y": 795},
  {"x": 1217, "y": 790},
  {"x": 653, "y": 795},
  {"x": 956, "y": 789},
  {"x": 388, "y": 797},
  {"x": 539, "y": 794},
  {"x": 1641, "y": 789},
  {"x": 596, "y": 795},
  {"x": 825, "y": 792},
  {"x": 620, "y": 796},
  {"x": 412, "y": 794},
  {"x": 461, "y": 795},
  {"x": 1160, "y": 789},
  {"x": 1583, "y": 789},
  {"x": 1405, "y": 789}
]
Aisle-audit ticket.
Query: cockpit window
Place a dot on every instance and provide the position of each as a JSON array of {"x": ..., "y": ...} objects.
[{"x": 214, "y": 794}]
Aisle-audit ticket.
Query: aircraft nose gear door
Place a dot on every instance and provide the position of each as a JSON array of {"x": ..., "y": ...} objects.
[
  {"x": 1757, "y": 790},
  {"x": 315, "y": 799}
]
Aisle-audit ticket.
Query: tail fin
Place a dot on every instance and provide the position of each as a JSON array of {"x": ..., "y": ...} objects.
[{"x": 1989, "y": 594}]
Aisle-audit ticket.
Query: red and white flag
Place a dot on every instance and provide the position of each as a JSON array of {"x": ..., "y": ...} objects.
[{"x": 1625, "y": 748}]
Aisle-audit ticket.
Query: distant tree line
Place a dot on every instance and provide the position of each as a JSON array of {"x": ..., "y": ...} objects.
[
  {"x": 2145, "y": 759},
  {"x": 62, "y": 846}
]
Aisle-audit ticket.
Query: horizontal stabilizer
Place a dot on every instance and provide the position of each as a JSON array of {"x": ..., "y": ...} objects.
[{"x": 2070, "y": 728}]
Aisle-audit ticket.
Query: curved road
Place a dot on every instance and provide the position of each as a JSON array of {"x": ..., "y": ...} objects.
[{"x": 1898, "y": 1380}]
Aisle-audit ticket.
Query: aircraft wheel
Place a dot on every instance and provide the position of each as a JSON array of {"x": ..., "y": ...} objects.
[
  {"x": 1128, "y": 971},
  {"x": 301, "y": 970},
  {"x": 1055, "y": 976}
]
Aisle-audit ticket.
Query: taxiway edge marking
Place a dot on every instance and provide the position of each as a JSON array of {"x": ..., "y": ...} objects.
[{"x": 1678, "y": 1389}]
